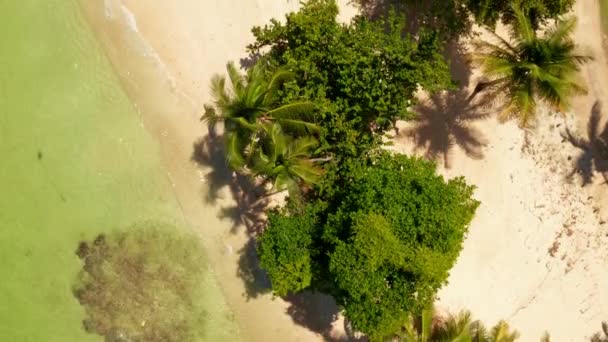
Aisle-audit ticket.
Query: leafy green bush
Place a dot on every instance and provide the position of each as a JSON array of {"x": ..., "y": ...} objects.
[
  {"x": 380, "y": 235},
  {"x": 142, "y": 284},
  {"x": 363, "y": 75},
  {"x": 539, "y": 11}
]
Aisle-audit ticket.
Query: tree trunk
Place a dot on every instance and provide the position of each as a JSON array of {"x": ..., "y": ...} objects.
[{"x": 481, "y": 86}]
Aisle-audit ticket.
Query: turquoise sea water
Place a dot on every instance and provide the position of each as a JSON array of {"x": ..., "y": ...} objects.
[{"x": 75, "y": 161}]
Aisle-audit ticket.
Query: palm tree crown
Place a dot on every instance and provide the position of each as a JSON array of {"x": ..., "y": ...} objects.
[
  {"x": 532, "y": 68},
  {"x": 249, "y": 101},
  {"x": 285, "y": 160}
]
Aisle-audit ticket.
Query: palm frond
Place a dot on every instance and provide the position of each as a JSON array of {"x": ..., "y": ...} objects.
[
  {"x": 306, "y": 171},
  {"x": 295, "y": 110},
  {"x": 426, "y": 324},
  {"x": 561, "y": 31},
  {"x": 218, "y": 90},
  {"x": 209, "y": 116},
  {"x": 234, "y": 151},
  {"x": 279, "y": 78},
  {"x": 522, "y": 29},
  {"x": 301, "y": 147},
  {"x": 243, "y": 123},
  {"x": 236, "y": 79},
  {"x": 501, "y": 332},
  {"x": 457, "y": 328}
]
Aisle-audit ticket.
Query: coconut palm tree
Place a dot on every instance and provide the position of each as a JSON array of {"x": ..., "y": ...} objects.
[
  {"x": 531, "y": 68},
  {"x": 429, "y": 328},
  {"x": 249, "y": 101},
  {"x": 501, "y": 332},
  {"x": 285, "y": 160}
]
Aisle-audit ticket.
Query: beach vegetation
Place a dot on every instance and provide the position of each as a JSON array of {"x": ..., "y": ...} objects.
[
  {"x": 539, "y": 12},
  {"x": 379, "y": 234},
  {"x": 531, "y": 68},
  {"x": 143, "y": 284},
  {"x": 362, "y": 75},
  {"x": 244, "y": 102},
  {"x": 285, "y": 161},
  {"x": 427, "y": 326}
]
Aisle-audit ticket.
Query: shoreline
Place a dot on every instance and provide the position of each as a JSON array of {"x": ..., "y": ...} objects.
[
  {"x": 506, "y": 252},
  {"x": 166, "y": 74}
]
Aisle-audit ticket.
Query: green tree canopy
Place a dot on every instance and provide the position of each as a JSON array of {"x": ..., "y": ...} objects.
[
  {"x": 143, "y": 284},
  {"x": 380, "y": 236},
  {"x": 363, "y": 75},
  {"x": 428, "y": 327},
  {"x": 489, "y": 12}
]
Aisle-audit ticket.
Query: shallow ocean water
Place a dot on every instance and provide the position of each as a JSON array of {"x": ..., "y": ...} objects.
[{"x": 76, "y": 161}]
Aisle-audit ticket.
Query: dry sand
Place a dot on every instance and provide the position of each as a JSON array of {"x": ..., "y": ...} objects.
[{"x": 166, "y": 54}]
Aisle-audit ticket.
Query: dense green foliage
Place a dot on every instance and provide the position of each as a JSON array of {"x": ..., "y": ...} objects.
[
  {"x": 380, "y": 237},
  {"x": 452, "y": 18},
  {"x": 362, "y": 75},
  {"x": 488, "y": 12},
  {"x": 426, "y": 327},
  {"x": 448, "y": 18},
  {"x": 532, "y": 67},
  {"x": 247, "y": 103},
  {"x": 285, "y": 160},
  {"x": 286, "y": 250},
  {"x": 143, "y": 284},
  {"x": 261, "y": 136}
]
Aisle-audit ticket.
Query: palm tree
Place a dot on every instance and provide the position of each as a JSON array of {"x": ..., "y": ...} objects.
[
  {"x": 531, "y": 68},
  {"x": 454, "y": 328},
  {"x": 285, "y": 160},
  {"x": 249, "y": 101},
  {"x": 594, "y": 149},
  {"x": 429, "y": 328},
  {"x": 418, "y": 329},
  {"x": 501, "y": 332}
]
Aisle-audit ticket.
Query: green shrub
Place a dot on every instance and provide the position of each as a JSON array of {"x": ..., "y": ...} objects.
[{"x": 380, "y": 236}]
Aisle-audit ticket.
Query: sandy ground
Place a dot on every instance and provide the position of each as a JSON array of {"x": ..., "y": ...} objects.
[{"x": 536, "y": 254}]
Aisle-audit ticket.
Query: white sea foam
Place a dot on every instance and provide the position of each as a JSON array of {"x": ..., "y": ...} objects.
[{"x": 138, "y": 42}]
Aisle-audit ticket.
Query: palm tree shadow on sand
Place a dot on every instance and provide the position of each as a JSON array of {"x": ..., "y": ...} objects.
[
  {"x": 248, "y": 210},
  {"x": 594, "y": 149},
  {"x": 250, "y": 202},
  {"x": 313, "y": 311},
  {"x": 444, "y": 121}
]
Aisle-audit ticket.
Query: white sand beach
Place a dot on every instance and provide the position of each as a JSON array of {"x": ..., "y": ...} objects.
[{"x": 166, "y": 54}]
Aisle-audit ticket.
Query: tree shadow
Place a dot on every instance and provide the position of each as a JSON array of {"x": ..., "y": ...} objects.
[
  {"x": 249, "y": 61},
  {"x": 317, "y": 311},
  {"x": 444, "y": 121},
  {"x": 248, "y": 195},
  {"x": 594, "y": 148},
  {"x": 255, "y": 279}
]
